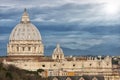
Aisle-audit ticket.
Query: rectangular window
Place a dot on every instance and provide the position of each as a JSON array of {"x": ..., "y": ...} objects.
[
  {"x": 29, "y": 49},
  {"x": 23, "y": 48},
  {"x": 17, "y": 48}
]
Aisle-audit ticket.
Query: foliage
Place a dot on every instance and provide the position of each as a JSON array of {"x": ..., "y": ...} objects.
[
  {"x": 40, "y": 70},
  {"x": 10, "y": 72}
]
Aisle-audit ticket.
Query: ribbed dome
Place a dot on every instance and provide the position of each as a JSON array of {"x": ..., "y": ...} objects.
[
  {"x": 58, "y": 50},
  {"x": 25, "y": 30},
  {"x": 58, "y": 53}
]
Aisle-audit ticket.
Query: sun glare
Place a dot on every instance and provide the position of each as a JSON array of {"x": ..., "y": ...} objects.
[{"x": 111, "y": 8}]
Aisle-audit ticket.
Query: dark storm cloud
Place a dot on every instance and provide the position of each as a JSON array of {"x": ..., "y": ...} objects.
[{"x": 81, "y": 27}]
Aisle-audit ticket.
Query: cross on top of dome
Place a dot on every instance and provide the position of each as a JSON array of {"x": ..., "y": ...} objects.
[
  {"x": 25, "y": 10},
  {"x": 58, "y": 45},
  {"x": 25, "y": 17}
]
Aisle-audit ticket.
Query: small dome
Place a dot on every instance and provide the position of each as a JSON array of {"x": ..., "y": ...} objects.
[
  {"x": 25, "y": 30},
  {"x": 58, "y": 50},
  {"x": 58, "y": 53}
]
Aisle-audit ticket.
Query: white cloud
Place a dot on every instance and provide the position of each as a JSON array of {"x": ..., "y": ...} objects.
[
  {"x": 43, "y": 20},
  {"x": 4, "y": 37},
  {"x": 65, "y": 11},
  {"x": 90, "y": 1},
  {"x": 3, "y": 20}
]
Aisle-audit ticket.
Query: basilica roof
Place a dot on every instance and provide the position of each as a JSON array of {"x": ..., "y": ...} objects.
[{"x": 25, "y": 30}]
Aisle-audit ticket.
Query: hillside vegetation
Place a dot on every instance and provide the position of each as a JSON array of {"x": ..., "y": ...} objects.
[{"x": 10, "y": 72}]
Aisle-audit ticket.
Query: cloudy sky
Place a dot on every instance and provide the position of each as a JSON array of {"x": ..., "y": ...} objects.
[{"x": 82, "y": 27}]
